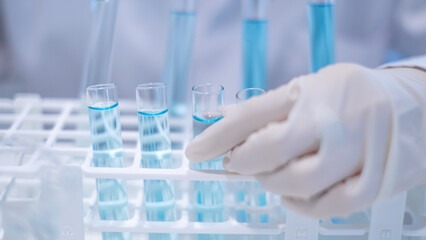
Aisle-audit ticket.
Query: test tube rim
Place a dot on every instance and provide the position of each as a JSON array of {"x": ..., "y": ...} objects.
[
  {"x": 245, "y": 90},
  {"x": 220, "y": 88},
  {"x": 111, "y": 100},
  {"x": 321, "y": 2},
  {"x": 156, "y": 86},
  {"x": 101, "y": 86},
  {"x": 150, "y": 85}
]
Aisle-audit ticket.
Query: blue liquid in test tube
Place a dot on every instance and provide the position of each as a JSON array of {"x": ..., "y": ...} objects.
[
  {"x": 155, "y": 144},
  {"x": 107, "y": 152},
  {"x": 208, "y": 197},
  {"x": 178, "y": 60},
  {"x": 321, "y": 27},
  {"x": 255, "y": 43}
]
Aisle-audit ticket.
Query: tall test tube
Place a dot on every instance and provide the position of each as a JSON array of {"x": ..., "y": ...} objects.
[
  {"x": 255, "y": 44},
  {"x": 321, "y": 30},
  {"x": 156, "y": 153},
  {"x": 179, "y": 52},
  {"x": 252, "y": 193},
  {"x": 97, "y": 68},
  {"x": 107, "y": 144},
  {"x": 208, "y": 198}
]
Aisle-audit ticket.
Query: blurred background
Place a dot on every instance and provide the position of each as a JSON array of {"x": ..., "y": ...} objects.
[{"x": 44, "y": 43}]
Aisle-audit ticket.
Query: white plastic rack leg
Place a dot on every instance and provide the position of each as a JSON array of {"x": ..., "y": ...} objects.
[
  {"x": 387, "y": 218},
  {"x": 300, "y": 228}
]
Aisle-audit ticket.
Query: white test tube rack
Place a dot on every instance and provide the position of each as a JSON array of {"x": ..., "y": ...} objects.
[{"x": 51, "y": 119}]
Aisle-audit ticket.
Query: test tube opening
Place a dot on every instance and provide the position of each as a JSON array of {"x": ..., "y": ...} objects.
[
  {"x": 248, "y": 93},
  {"x": 151, "y": 98},
  {"x": 102, "y": 96},
  {"x": 207, "y": 100}
]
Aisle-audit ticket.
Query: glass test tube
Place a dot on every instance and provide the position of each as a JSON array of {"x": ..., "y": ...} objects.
[
  {"x": 97, "y": 66},
  {"x": 208, "y": 198},
  {"x": 99, "y": 56},
  {"x": 107, "y": 144},
  {"x": 321, "y": 30},
  {"x": 254, "y": 195},
  {"x": 155, "y": 146},
  {"x": 178, "y": 60},
  {"x": 255, "y": 44}
]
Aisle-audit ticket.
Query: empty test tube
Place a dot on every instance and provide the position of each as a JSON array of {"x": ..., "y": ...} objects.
[
  {"x": 154, "y": 133},
  {"x": 208, "y": 197},
  {"x": 107, "y": 144},
  {"x": 255, "y": 44},
  {"x": 321, "y": 31},
  {"x": 99, "y": 56},
  {"x": 178, "y": 60}
]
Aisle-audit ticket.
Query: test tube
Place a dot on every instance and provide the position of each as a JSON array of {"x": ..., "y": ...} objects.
[
  {"x": 255, "y": 44},
  {"x": 155, "y": 147},
  {"x": 252, "y": 194},
  {"x": 107, "y": 145},
  {"x": 208, "y": 198},
  {"x": 248, "y": 93},
  {"x": 321, "y": 30},
  {"x": 97, "y": 67},
  {"x": 178, "y": 59}
]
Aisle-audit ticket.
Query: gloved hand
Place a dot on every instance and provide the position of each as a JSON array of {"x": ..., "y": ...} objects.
[{"x": 330, "y": 143}]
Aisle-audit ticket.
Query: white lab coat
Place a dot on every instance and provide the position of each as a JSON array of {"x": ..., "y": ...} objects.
[{"x": 44, "y": 42}]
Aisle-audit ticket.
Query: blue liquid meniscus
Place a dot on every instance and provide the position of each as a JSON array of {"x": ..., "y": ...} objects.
[
  {"x": 108, "y": 152},
  {"x": 255, "y": 42},
  {"x": 155, "y": 142},
  {"x": 208, "y": 199},
  {"x": 178, "y": 60},
  {"x": 321, "y": 28}
]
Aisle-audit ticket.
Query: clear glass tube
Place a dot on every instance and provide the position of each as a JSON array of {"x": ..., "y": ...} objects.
[
  {"x": 208, "y": 196},
  {"x": 179, "y": 53},
  {"x": 107, "y": 145},
  {"x": 155, "y": 146},
  {"x": 321, "y": 30},
  {"x": 97, "y": 65},
  {"x": 252, "y": 193},
  {"x": 248, "y": 93},
  {"x": 97, "y": 68},
  {"x": 255, "y": 44}
]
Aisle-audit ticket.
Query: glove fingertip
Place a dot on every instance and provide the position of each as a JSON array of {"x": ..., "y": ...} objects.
[{"x": 192, "y": 153}]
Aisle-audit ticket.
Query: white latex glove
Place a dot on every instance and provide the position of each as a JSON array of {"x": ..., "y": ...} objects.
[{"x": 330, "y": 143}]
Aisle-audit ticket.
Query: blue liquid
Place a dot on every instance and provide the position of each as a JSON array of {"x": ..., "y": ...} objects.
[
  {"x": 107, "y": 152},
  {"x": 240, "y": 198},
  {"x": 176, "y": 72},
  {"x": 154, "y": 133},
  {"x": 255, "y": 42},
  {"x": 208, "y": 199},
  {"x": 321, "y": 26},
  {"x": 256, "y": 198}
]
